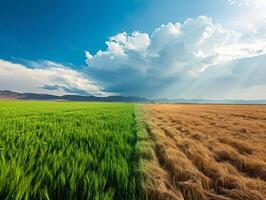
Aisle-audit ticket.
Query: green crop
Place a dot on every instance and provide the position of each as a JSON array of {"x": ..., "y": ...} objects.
[{"x": 68, "y": 150}]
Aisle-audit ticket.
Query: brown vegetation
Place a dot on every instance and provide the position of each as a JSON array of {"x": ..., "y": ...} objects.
[{"x": 204, "y": 152}]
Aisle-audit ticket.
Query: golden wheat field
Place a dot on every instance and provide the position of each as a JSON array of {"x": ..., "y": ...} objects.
[{"x": 213, "y": 152}]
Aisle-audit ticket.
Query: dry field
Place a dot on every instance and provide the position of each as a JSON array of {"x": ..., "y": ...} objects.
[{"x": 204, "y": 151}]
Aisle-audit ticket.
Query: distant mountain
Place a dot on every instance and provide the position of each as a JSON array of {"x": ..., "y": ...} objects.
[
  {"x": 6, "y": 94},
  {"x": 209, "y": 101}
]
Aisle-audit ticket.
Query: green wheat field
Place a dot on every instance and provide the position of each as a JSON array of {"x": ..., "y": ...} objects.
[{"x": 68, "y": 150}]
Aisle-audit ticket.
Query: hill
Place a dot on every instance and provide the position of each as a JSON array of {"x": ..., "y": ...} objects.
[{"x": 6, "y": 94}]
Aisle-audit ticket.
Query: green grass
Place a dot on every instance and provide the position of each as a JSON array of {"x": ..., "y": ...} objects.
[{"x": 68, "y": 150}]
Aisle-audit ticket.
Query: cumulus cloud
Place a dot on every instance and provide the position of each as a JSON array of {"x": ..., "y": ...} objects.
[
  {"x": 45, "y": 77},
  {"x": 195, "y": 59},
  {"x": 173, "y": 58}
]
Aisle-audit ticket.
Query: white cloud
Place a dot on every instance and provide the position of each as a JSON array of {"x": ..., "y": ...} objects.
[
  {"x": 194, "y": 59},
  {"x": 239, "y": 2},
  {"x": 247, "y": 2},
  {"x": 172, "y": 57},
  {"x": 248, "y": 14},
  {"x": 238, "y": 79},
  {"x": 45, "y": 77}
]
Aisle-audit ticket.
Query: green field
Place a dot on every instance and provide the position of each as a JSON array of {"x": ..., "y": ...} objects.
[{"x": 68, "y": 150}]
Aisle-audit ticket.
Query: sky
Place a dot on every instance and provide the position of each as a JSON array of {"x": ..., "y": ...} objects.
[{"x": 149, "y": 48}]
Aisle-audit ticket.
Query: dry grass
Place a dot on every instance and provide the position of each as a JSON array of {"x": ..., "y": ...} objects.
[{"x": 204, "y": 152}]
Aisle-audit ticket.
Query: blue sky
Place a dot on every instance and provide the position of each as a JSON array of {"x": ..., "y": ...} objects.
[
  {"x": 59, "y": 30},
  {"x": 62, "y": 30},
  {"x": 120, "y": 47}
]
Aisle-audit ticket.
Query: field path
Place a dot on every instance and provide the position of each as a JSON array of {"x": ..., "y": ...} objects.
[{"x": 207, "y": 151}]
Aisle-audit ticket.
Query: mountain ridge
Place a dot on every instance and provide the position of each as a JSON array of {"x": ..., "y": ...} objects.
[{"x": 7, "y": 94}]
